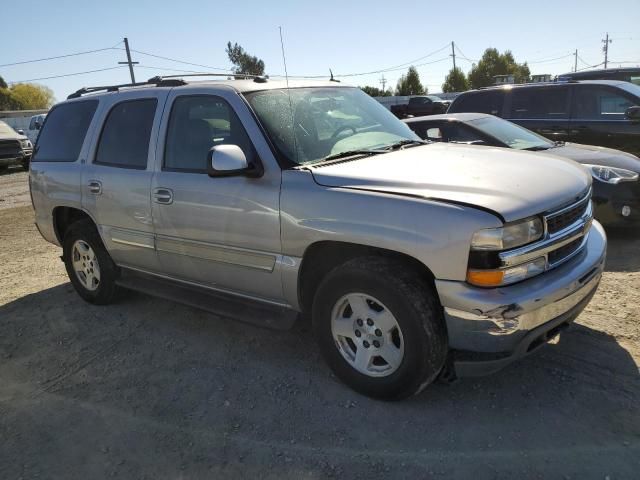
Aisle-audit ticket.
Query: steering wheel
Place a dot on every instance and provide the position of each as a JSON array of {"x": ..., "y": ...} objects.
[{"x": 342, "y": 129}]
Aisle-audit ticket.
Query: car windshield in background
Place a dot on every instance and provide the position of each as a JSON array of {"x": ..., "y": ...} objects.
[
  {"x": 511, "y": 134},
  {"x": 328, "y": 122},
  {"x": 434, "y": 98},
  {"x": 632, "y": 88}
]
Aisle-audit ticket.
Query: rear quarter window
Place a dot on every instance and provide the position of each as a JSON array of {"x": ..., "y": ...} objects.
[
  {"x": 489, "y": 101},
  {"x": 64, "y": 131}
]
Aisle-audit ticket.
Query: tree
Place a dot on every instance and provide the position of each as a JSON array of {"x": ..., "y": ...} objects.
[
  {"x": 494, "y": 63},
  {"x": 3, "y": 84},
  {"x": 455, "y": 81},
  {"x": 376, "y": 92},
  {"x": 29, "y": 96},
  {"x": 409, "y": 84},
  {"x": 25, "y": 96},
  {"x": 243, "y": 62}
]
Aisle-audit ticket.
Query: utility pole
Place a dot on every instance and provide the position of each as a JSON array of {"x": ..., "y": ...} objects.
[
  {"x": 453, "y": 54},
  {"x": 575, "y": 64},
  {"x": 129, "y": 62},
  {"x": 605, "y": 49},
  {"x": 383, "y": 82}
]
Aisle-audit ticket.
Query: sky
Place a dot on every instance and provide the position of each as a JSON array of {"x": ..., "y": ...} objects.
[{"x": 345, "y": 36}]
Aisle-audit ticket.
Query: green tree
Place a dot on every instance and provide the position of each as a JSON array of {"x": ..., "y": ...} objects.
[
  {"x": 409, "y": 84},
  {"x": 28, "y": 96},
  {"x": 455, "y": 81},
  {"x": 243, "y": 62},
  {"x": 494, "y": 63},
  {"x": 376, "y": 92},
  {"x": 3, "y": 84}
]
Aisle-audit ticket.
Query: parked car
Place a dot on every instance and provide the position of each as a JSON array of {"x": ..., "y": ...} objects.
[
  {"x": 593, "y": 112},
  {"x": 629, "y": 74},
  {"x": 15, "y": 148},
  {"x": 420, "y": 106},
  {"x": 616, "y": 189},
  {"x": 35, "y": 123},
  {"x": 413, "y": 260}
]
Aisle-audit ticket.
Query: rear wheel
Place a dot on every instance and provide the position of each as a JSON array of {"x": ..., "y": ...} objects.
[
  {"x": 380, "y": 327},
  {"x": 89, "y": 266}
]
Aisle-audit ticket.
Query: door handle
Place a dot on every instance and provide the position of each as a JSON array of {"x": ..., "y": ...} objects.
[
  {"x": 95, "y": 187},
  {"x": 163, "y": 196}
]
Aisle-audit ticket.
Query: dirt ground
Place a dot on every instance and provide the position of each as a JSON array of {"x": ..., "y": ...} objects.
[{"x": 151, "y": 389}]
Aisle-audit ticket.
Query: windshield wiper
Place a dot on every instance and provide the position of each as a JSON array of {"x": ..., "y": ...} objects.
[
  {"x": 351, "y": 153},
  {"x": 404, "y": 143},
  {"x": 538, "y": 148}
]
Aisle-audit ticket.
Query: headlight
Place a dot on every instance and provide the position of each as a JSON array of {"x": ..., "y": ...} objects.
[
  {"x": 484, "y": 263},
  {"x": 509, "y": 236},
  {"x": 25, "y": 143},
  {"x": 611, "y": 175},
  {"x": 496, "y": 278}
]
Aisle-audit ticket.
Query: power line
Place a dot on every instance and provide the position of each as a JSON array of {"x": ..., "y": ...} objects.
[
  {"x": 462, "y": 55},
  {"x": 552, "y": 59},
  {"x": 180, "y": 61},
  {"x": 59, "y": 56},
  {"x": 67, "y": 75}
]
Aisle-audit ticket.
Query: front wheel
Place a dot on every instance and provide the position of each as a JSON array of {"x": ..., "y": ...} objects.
[{"x": 380, "y": 327}]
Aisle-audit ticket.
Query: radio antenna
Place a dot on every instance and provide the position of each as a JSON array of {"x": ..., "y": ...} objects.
[{"x": 286, "y": 77}]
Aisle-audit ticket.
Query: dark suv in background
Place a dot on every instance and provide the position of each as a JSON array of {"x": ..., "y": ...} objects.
[{"x": 597, "y": 112}]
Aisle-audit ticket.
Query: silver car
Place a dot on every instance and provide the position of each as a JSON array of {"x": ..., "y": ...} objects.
[{"x": 259, "y": 201}]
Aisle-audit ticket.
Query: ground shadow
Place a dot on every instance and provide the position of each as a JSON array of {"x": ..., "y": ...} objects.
[
  {"x": 623, "y": 251},
  {"x": 11, "y": 170},
  {"x": 146, "y": 387}
]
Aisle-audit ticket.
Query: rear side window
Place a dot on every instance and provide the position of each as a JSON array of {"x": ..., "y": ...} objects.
[
  {"x": 63, "y": 133},
  {"x": 457, "y": 132},
  {"x": 198, "y": 123},
  {"x": 540, "y": 103},
  {"x": 126, "y": 133},
  {"x": 593, "y": 102},
  {"x": 490, "y": 101}
]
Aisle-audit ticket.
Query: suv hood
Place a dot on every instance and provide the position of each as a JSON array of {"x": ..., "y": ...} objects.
[
  {"x": 513, "y": 184},
  {"x": 607, "y": 157}
]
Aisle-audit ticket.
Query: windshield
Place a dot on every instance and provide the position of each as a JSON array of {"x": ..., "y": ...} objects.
[
  {"x": 328, "y": 122},
  {"x": 633, "y": 89},
  {"x": 511, "y": 134},
  {"x": 434, "y": 98}
]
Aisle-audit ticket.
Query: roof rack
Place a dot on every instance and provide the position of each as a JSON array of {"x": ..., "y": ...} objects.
[
  {"x": 235, "y": 76},
  {"x": 157, "y": 81},
  {"x": 165, "y": 81}
]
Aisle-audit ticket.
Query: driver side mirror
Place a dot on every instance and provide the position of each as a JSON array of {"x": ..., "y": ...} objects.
[
  {"x": 633, "y": 113},
  {"x": 230, "y": 161}
]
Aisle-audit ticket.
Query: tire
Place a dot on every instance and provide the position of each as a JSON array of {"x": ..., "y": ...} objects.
[
  {"x": 25, "y": 165},
  {"x": 95, "y": 282},
  {"x": 416, "y": 349}
]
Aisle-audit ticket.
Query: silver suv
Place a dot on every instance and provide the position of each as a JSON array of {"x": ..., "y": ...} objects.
[{"x": 259, "y": 201}]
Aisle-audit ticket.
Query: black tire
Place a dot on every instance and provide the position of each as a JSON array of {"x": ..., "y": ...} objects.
[
  {"x": 412, "y": 301},
  {"x": 107, "y": 289},
  {"x": 25, "y": 165}
]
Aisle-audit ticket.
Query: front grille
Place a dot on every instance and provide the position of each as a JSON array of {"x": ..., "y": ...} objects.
[
  {"x": 563, "y": 252},
  {"x": 9, "y": 148},
  {"x": 560, "y": 221}
]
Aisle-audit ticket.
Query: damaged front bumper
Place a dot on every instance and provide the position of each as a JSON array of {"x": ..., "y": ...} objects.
[{"x": 490, "y": 328}]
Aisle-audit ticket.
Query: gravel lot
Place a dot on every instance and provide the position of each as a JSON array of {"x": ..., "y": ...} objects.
[{"x": 151, "y": 389}]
